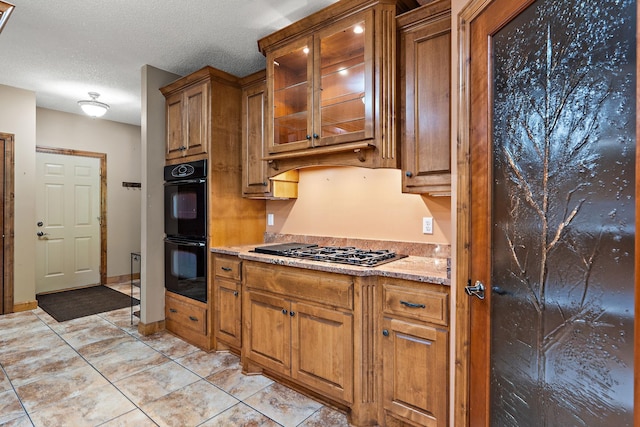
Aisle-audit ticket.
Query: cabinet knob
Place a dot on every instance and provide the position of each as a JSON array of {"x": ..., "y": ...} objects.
[
  {"x": 235, "y": 294},
  {"x": 264, "y": 183},
  {"x": 316, "y": 136},
  {"x": 385, "y": 332},
  {"x": 292, "y": 313},
  {"x": 284, "y": 311},
  {"x": 309, "y": 137},
  {"x": 408, "y": 174}
]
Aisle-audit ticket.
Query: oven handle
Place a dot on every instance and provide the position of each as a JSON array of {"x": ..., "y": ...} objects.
[
  {"x": 186, "y": 181},
  {"x": 184, "y": 242}
]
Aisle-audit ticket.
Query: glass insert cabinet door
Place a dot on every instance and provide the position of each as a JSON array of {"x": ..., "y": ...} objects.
[
  {"x": 291, "y": 77},
  {"x": 322, "y": 87}
]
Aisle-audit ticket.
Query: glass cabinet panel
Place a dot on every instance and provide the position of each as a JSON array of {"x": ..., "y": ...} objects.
[
  {"x": 291, "y": 117},
  {"x": 342, "y": 81}
]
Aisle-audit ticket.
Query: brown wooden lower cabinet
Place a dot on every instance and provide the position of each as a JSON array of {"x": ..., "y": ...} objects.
[
  {"x": 374, "y": 345},
  {"x": 227, "y": 292},
  {"x": 415, "y": 342},
  {"x": 302, "y": 340},
  {"x": 186, "y": 318}
]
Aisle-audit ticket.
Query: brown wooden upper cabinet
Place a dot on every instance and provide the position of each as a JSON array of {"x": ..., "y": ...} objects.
[
  {"x": 330, "y": 87},
  {"x": 190, "y": 111},
  {"x": 321, "y": 87},
  {"x": 425, "y": 80},
  {"x": 256, "y": 183}
]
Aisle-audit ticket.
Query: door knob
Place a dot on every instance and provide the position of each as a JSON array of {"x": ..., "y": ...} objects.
[
  {"x": 476, "y": 290},
  {"x": 40, "y": 234}
]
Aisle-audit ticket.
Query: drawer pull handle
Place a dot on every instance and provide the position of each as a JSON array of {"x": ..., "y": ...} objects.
[
  {"x": 235, "y": 294},
  {"x": 284, "y": 311},
  {"x": 193, "y": 318},
  {"x": 226, "y": 268},
  {"x": 412, "y": 305},
  {"x": 385, "y": 332},
  {"x": 173, "y": 310}
]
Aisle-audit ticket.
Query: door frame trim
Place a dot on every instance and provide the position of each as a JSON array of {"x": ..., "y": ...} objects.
[
  {"x": 103, "y": 198},
  {"x": 9, "y": 219}
]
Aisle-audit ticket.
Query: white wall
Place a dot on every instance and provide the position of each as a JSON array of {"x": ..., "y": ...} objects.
[
  {"x": 121, "y": 143},
  {"x": 18, "y": 117}
]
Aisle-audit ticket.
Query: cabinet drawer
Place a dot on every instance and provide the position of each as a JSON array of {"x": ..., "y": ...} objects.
[
  {"x": 190, "y": 316},
  {"x": 316, "y": 286},
  {"x": 228, "y": 267},
  {"x": 421, "y": 304}
]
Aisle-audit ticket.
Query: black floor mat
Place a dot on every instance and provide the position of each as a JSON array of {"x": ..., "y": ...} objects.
[{"x": 83, "y": 302}]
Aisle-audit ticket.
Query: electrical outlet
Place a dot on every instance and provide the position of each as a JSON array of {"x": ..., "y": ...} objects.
[
  {"x": 270, "y": 219},
  {"x": 427, "y": 225}
]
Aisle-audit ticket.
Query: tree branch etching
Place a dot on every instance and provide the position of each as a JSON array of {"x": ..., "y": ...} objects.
[{"x": 561, "y": 78}]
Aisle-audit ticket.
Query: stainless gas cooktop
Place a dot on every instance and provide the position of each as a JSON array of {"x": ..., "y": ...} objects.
[{"x": 336, "y": 254}]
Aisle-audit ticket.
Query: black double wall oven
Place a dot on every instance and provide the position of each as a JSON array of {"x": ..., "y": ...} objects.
[{"x": 185, "y": 225}]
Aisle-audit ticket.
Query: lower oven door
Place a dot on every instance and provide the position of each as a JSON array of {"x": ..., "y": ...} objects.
[{"x": 185, "y": 265}]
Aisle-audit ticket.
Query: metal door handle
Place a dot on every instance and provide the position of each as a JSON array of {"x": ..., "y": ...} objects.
[
  {"x": 41, "y": 233},
  {"x": 476, "y": 290}
]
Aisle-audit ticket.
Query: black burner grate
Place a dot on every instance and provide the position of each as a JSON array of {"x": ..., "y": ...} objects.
[{"x": 336, "y": 254}]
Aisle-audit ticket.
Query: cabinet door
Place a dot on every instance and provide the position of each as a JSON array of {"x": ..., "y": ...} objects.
[
  {"x": 415, "y": 374},
  {"x": 254, "y": 174},
  {"x": 269, "y": 329},
  {"x": 426, "y": 140},
  {"x": 343, "y": 81},
  {"x": 322, "y": 350},
  {"x": 289, "y": 79},
  {"x": 175, "y": 126},
  {"x": 228, "y": 312},
  {"x": 196, "y": 110}
]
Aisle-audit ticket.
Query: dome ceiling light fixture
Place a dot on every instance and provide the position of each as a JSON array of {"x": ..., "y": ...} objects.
[
  {"x": 5, "y": 12},
  {"x": 93, "y": 107}
]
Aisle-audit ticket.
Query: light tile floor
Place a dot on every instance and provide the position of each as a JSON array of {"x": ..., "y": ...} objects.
[{"x": 98, "y": 371}]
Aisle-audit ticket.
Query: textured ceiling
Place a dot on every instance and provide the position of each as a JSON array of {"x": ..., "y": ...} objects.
[{"x": 63, "y": 49}]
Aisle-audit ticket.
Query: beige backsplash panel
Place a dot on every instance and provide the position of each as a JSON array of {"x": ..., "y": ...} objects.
[{"x": 360, "y": 203}]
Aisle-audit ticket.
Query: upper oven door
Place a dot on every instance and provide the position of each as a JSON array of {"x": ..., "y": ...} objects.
[{"x": 185, "y": 205}]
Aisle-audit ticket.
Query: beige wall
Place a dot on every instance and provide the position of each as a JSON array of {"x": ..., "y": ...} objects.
[
  {"x": 360, "y": 203},
  {"x": 121, "y": 143},
  {"x": 18, "y": 117},
  {"x": 153, "y": 158}
]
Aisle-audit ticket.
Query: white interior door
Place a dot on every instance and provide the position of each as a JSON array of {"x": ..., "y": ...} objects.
[{"x": 68, "y": 221}]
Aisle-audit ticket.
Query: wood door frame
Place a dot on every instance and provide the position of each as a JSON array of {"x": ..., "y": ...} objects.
[
  {"x": 462, "y": 395},
  {"x": 103, "y": 198},
  {"x": 8, "y": 229}
]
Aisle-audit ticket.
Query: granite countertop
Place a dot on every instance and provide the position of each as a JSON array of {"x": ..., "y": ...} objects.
[{"x": 416, "y": 268}]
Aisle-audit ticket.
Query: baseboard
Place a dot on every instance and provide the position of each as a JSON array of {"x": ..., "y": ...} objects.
[
  {"x": 123, "y": 278},
  {"x": 151, "y": 328},
  {"x": 25, "y": 306}
]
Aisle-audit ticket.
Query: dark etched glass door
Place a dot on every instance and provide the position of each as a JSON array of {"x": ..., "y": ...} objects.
[{"x": 562, "y": 208}]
